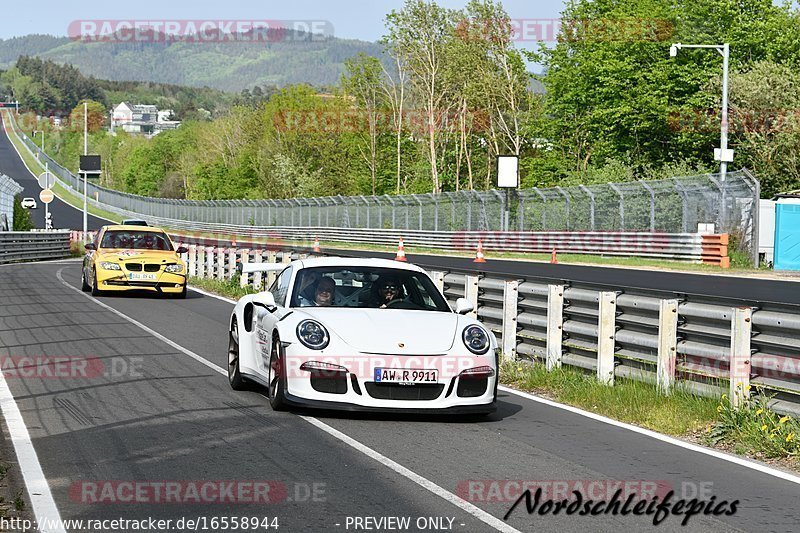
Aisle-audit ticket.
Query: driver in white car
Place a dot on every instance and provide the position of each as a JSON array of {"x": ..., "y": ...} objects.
[{"x": 389, "y": 289}]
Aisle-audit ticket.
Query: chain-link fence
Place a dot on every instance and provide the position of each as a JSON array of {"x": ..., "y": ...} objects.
[
  {"x": 8, "y": 190},
  {"x": 674, "y": 205}
]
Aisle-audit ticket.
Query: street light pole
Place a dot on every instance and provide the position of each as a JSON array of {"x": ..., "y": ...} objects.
[
  {"x": 85, "y": 152},
  {"x": 723, "y": 137},
  {"x": 725, "y": 156}
]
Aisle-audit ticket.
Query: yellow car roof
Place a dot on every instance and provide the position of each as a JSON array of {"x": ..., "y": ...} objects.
[{"x": 135, "y": 228}]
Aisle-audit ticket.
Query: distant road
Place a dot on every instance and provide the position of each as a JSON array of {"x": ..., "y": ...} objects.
[{"x": 64, "y": 215}]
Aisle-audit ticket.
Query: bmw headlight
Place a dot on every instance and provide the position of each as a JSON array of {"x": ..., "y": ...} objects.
[
  {"x": 109, "y": 266},
  {"x": 476, "y": 340},
  {"x": 174, "y": 269},
  {"x": 313, "y": 334}
]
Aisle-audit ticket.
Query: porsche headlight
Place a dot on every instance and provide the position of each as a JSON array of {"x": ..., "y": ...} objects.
[
  {"x": 174, "y": 268},
  {"x": 476, "y": 340},
  {"x": 109, "y": 266},
  {"x": 313, "y": 334}
]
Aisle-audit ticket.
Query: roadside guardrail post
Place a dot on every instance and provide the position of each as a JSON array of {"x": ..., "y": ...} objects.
[
  {"x": 667, "y": 344},
  {"x": 231, "y": 262},
  {"x": 510, "y": 299},
  {"x": 201, "y": 261},
  {"x": 272, "y": 257},
  {"x": 210, "y": 262},
  {"x": 741, "y": 331},
  {"x": 286, "y": 257},
  {"x": 192, "y": 260},
  {"x": 606, "y": 332},
  {"x": 438, "y": 280},
  {"x": 221, "y": 263},
  {"x": 245, "y": 258},
  {"x": 471, "y": 293},
  {"x": 257, "y": 276},
  {"x": 555, "y": 326}
]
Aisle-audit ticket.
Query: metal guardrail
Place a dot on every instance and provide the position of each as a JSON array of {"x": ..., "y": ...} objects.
[
  {"x": 670, "y": 339},
  {"x": 669, "y": 206},
  {"x": 33, "y": 245},
  {"x": 676, "y": 246}
]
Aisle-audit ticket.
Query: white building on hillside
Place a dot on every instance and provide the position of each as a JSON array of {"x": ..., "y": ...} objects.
[{"x": 145, "y": 119}]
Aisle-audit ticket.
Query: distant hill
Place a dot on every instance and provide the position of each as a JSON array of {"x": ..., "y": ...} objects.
[{"x": 227, "y": 66}]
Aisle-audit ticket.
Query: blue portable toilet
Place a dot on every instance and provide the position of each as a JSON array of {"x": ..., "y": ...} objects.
[{"x": 787, "y": 234}]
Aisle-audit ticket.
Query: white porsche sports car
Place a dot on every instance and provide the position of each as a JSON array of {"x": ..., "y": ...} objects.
[{"x": 361, "y": 334}]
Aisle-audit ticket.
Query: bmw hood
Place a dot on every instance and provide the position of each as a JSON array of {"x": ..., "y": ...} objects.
[
  {"x": 383, "y": 331},
  {"x": 137, "y": 256}
]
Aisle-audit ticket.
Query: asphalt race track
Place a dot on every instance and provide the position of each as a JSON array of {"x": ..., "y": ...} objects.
[
  {"x": 156, "y": 411},
  {"x": 64, "y": 215}
]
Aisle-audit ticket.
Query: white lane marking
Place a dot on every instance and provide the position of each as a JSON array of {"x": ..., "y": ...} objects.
[
  {"x": 478, "y": 513},
  {"x": 47, "y": 261},
  {"x": 44, "y": 506},
  {"x": 741, "y": 461},
  {"x": 8, "y": 134}
]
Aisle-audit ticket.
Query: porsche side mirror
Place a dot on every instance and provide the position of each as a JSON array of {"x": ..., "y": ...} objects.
[
  {"x": 182, "y": 250},
  {"x": 266, "y": 300},
  {"x": 90, "y": 246},
  {"x": 463, "y": 306}
]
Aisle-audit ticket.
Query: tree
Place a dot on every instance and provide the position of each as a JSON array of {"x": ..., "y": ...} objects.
[
  {"x": 395, "y": 90},
  {"x": 362, "y": 81},
  {"x": 611, "y": 85},
  {"x": 96, "y": 116},
  {"x": 22, "y": 217},
  {"x": 419, "y": 35},
  {"x": 765, "y": 129}
]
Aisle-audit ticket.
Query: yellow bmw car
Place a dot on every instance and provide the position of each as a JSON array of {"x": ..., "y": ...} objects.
[{"x": 133, "y": 257}]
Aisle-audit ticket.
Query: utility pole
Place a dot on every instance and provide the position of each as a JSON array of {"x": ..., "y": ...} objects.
[{"x": 85, "y": 152}]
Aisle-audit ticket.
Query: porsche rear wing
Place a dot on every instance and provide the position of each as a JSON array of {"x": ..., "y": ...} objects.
[{"x": 248, "y": 268}]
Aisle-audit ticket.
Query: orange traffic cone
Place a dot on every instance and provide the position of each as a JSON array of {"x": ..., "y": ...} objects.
[
  {"x": 553, "y": 258},
  {"x": 315, "y": 247},
  {"x": 479, "y": 257},
  {"x": 401, "y": 251}
]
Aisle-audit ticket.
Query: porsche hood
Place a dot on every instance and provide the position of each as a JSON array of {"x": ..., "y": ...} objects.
[{"x": 390, "y": 331}]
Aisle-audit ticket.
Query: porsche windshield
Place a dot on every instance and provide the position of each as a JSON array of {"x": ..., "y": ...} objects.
[
  {"x": 136, "y": 240},
  {"x": 376, "y": 288}
]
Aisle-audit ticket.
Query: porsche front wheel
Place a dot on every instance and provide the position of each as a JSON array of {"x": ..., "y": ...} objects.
[
  {"x": 234, "y": 377},
  {"x": 277, "y": 378}
]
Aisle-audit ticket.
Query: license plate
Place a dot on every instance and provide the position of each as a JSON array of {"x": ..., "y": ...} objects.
[
  {"x": 133, "y": 275},
  {"x": 406, "y": 375}
]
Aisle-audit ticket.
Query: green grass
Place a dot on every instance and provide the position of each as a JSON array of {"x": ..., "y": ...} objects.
[
  {"x": 228, "y": 288},
  {"x": 681, "y": 413},
  {"x": 756, "y": 430},
  {"x": 753, "y": 430}
]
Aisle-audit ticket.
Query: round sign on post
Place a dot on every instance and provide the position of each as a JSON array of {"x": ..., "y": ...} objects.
[
  {"x": 46, "y": 196},
  {"x": 46, "y": 180}
]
